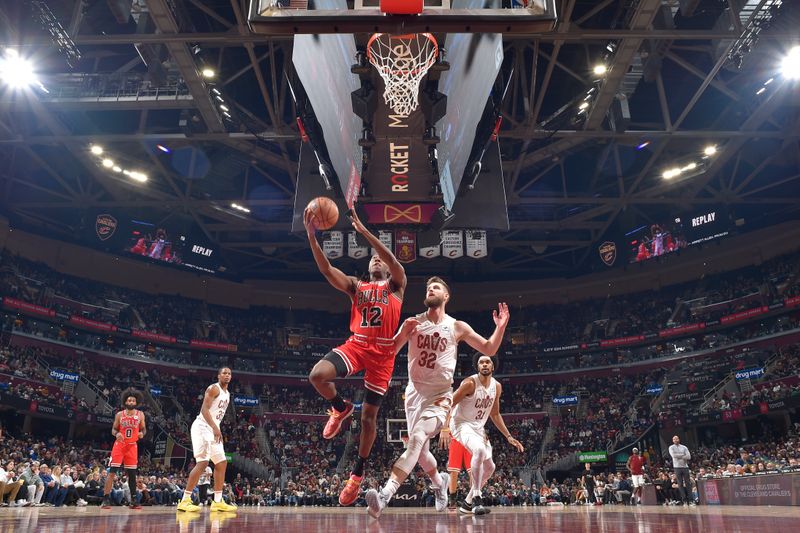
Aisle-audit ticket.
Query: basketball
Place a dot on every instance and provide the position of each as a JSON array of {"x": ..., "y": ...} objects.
[{"x": 325, "y": 212}]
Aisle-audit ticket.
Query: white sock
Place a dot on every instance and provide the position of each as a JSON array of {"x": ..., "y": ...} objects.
[
  {"x": 436, "y": 480},
  {"x": 389, "y": 489},
  {"x": 187, "y": 495},
  {"x": 217, "y": 496},
  {"x": 472, "y": 494}
]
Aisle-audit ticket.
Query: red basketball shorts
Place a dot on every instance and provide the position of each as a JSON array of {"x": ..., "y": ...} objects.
[
  {"x": 125, "y": 453},
  {"x": 376, "y": 362},
  {"x": 458, "y": 457}
]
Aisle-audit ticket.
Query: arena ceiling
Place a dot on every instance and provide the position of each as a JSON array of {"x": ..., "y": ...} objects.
[{"x": 691, "y": 72}]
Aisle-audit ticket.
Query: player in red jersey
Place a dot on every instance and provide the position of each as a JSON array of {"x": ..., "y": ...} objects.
[
  {"x": 374, "y": 316},
  {"x": 129, "y": 427}
]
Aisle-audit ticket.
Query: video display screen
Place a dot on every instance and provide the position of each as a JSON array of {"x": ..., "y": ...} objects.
[
  {"x": 690, "y": 228},
  {"x": 167, "y": 245}
]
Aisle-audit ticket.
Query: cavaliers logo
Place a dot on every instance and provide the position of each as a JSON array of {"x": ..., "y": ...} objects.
[
  {"x": 105, "y": 226},
  {"x": 608, "y": 252},
  {"x": 413, "y": 214}
]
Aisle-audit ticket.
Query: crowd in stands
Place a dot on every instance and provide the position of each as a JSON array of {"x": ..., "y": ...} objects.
[{"x": 265, "y": 330}]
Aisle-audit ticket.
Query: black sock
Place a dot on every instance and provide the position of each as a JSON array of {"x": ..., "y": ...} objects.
[
  {"x": 358, "y": 466},
  {"x": 338, "y": 403}
]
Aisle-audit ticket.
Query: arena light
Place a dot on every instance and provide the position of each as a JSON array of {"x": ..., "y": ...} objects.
[
  {"x": 710, "y": 150},
  {"x": 790, "y": 66},
  {"x": 108, "y": 163},
  {"x": 96, "y": 149},
  {"x": 240, "y": 208},
  {"x": 138, "y": 176},
  {"x": 163, "y": 148},
  {"x": 671, "y": 173},
  {"x": 600, "y": 69},
  {"x": 16, "y": 71},
  {"x": 116, "y": 168},
  {"x": 208, "y": 73}
]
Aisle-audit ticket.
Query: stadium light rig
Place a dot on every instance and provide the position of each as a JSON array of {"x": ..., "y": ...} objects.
[
  {"x": 108, "y": 163},
  {"x": 17, "y": 72}
]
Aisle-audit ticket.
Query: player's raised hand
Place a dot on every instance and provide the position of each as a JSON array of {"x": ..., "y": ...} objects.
[
  {"x": 516, "y": 444},
  {"x": 357, "y": 224},
  {"x": 501, "y": 315},
  {"x": 308, "y": 222}
]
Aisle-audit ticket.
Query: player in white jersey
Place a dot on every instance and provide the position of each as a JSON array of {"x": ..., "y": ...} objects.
[
  {"x": 207, "y": 443},
  {"x": 432, "y": 337},
  {"x": 476, "y": 400}
]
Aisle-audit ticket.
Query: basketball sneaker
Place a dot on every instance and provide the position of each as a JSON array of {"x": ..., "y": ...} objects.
[
  {"x": 441, "y": 493},
  {"x": 464, "y": 507},
  {"x": 186, "y": 505},
  {"x": 223, "y": 507},
  {"x": 335, "y": 419},
  {"x": 376, "y": 503},
  {"x": 349, "y": 493},
  {"x": 478, "y": 508},
  {"x": 135, "y": 507}
]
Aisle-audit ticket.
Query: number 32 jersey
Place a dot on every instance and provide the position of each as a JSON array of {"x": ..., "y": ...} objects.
[
  {"x": 432, "y": 355},
  {"x": 375, "y": 314}
]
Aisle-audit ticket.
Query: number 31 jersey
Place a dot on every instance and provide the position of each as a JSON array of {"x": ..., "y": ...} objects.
[
  {"x": 473, "y": 411},
  {"x": 432, "y": 355},
  {"x": 375, "y": 314}
]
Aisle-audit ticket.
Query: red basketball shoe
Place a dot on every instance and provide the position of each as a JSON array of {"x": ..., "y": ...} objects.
[
  {"x": 349, "y": 493},
  {"x": 335, "y": 419}
]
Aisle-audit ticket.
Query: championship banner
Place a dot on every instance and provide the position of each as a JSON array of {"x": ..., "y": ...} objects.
[
  {"x": 333, "y": 244},
  {"x": 429, "y": 252},
  {"x": 399, "y": 213},
  {"x": 476, "y": 244},
  {"x": 453, "y": 244},
  {"x": 405, "y": 246},
  {"x": 386, "y": 238},
  {"x": 353, "y": 249}
]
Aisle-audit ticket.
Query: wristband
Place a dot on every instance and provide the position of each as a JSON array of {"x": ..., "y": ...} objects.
[{"x": 445, "y": 430}]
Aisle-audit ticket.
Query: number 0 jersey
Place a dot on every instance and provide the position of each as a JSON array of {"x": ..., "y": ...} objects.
[
  {"x": 129, "y": 426},
  {"x": 473, "y": 411},
  {"x": 375, "y": 313},
  {"x": 432, "y": 355}
]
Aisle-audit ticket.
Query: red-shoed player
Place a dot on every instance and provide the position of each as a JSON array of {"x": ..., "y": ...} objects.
[
  {"x": 374, "y": 316},
  {"x": 128, "y": 428}
]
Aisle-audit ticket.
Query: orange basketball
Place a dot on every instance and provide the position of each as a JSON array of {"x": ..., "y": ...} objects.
[{"x": 325, "y": 212}]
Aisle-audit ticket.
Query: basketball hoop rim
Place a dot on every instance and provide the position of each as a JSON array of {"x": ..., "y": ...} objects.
[{"x": 405, "y": 36}]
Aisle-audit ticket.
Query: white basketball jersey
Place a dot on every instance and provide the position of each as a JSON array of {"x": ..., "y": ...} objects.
[
  {"x": 218, "y": 408},
  {"x": 432, "y": 355},
  {"x": 473, "y": 411}
]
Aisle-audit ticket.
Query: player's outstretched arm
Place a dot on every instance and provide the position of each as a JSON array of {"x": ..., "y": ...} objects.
[
  {"x": 466, "y": 388},
  {"x": 208, "y": 401},
  {"x": 498, "y": 421},
  {"x": 464, "y": 332},
  {"x": 404, "y": 333},
  {"x": 338, "y": 279},
  {"x": 395, "y": 268}
]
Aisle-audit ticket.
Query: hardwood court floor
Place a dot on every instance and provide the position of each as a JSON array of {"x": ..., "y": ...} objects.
[{"x": 401, "y": 520}]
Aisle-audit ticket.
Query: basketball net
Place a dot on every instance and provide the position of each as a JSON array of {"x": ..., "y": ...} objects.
[{"x": 402, "y": 61}]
